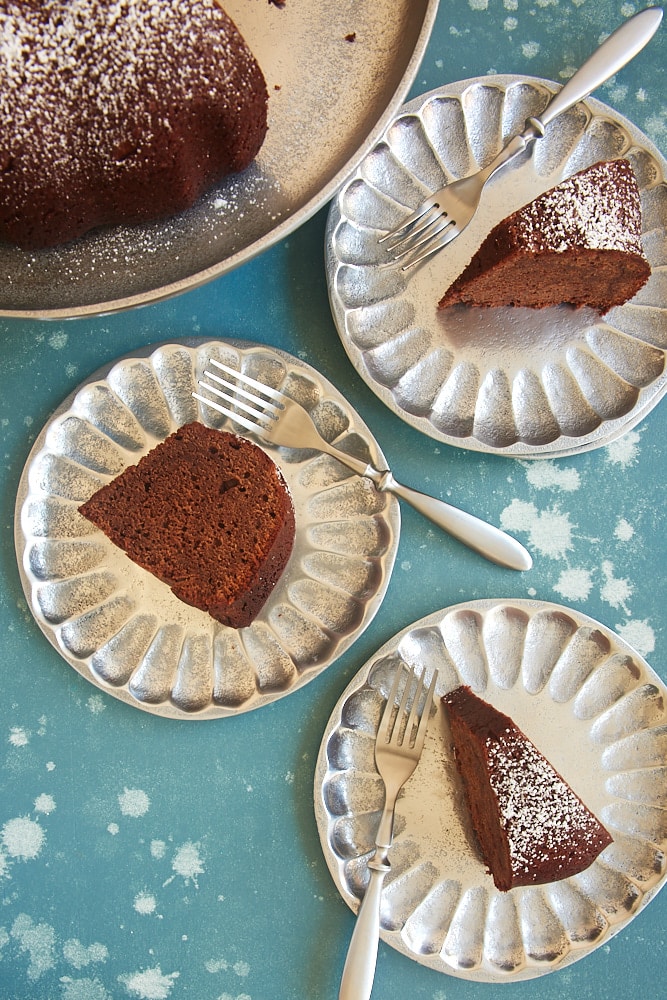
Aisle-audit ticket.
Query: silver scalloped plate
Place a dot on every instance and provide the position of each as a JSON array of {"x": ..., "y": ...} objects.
[
  {"x": 316, "y": 136},
  {"x": 518, "y": 382},
  {"x": 596, "y": 710},
  {"x": 124, "y": 630}
]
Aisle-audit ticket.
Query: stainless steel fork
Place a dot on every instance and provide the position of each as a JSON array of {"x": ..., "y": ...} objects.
[
  {"x": 398, "y": 749},
  {"x": 282, "y": 421},
  {"x": 444, "y": 216}
]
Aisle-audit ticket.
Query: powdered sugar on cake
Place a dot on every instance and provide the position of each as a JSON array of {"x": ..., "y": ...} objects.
[
  {"x": 74, "y": 42},
  {"x": 538, "y": 808},
  {"x": 116, "y": 111},
  {"x": 572, "y": 214}
]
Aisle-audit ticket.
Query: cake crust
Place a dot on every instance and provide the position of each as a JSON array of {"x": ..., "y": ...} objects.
[
  {"x": 531, "y": 827},
  {"x": 119, "y": 111},
  {"x": 206, "y": 512},
  {"x": 578, "y": 244}
]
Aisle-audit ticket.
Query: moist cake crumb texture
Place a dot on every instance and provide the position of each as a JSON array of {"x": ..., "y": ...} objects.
[
  {"x": 206, "y": 512},
  {"x": 578, "y": 244}
]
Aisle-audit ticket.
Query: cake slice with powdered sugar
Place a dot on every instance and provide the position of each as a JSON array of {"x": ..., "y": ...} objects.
[
  {"x": 577, "y": 244},
  {"x": 530, "y": 825}
]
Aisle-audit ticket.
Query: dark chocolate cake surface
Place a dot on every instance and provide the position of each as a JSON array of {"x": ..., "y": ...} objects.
[
  {"x": 577, "y": 244},
  {"x": 119, "y": 111},
  {"x": 531, "y": 827},
  {"x": 206, "y": 512}
]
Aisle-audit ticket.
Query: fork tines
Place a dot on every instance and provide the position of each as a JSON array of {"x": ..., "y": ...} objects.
[
  {"x": 242, "y": 404},
  {"x": 397, "y": 726},
  {"x": 427, "y": 229}
]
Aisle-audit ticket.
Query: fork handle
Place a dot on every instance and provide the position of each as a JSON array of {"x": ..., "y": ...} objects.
[
  {"x": 359, "y": 971},
  {"x": 614, "y": 53},
  {"x": 478, "y": 535}
]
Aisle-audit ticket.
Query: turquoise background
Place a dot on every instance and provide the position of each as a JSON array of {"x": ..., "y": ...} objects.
[{"x": 182, "y": 859}]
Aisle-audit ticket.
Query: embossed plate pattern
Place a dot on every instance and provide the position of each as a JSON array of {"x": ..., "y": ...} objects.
[
  {"x": 596, "y": 710},
  {"x": 518, "y": 382},
  {"x": 123, "y": 629}
]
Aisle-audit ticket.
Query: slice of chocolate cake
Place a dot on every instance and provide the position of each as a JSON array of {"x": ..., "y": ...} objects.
[
  {"x": 206, "y": 512},
  {"x": 530, "y": 825},
  {"x": 578, "y": 244}
]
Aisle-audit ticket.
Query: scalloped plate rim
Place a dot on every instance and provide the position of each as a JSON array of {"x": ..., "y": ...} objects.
[
  {"x": 322, "y": 816},
  {"x": 563, "y": 446}
]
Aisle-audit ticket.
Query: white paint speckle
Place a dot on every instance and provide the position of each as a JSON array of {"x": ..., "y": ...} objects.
[
  {"x": 149, "y": 984},
  {"x": 18, "y": 737},
  {"x": 624, "y": 530},
  {"x": 624, "y": 451},
  {"x": 158, "y": 849},
  {"x": 96, "y": 704},
  {"x": 133, "y": 802},
  {"x": 38, "y": 940},
  {"x": 549, "y": 531},
  {"x": 145, "y": 903},
  {"x": 45, "y": 803},
  {"x": 574, "y": 584},
  {"x": 79, "y": 955},
  {"x": 187, "y": 862},
  {"x": 23, "y": 838},
  {"x": 550, "y": 476},
  {"x": 113, "y": 829},
  {"x": 50, "y": 766},
  {"x": 639, "y": 635},
  {"x": 241, "y": 969},
  {"x": 478, "y": 4},
  {"x": 614, "y": 591},
  {"x": 530, "y": 49}
]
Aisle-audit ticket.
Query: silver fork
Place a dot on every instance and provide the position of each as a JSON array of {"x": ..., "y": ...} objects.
[
  {"x": 398, "y": 748},
  {"x": 282, "y": 421},
  {"x": 444, "y": 216}
]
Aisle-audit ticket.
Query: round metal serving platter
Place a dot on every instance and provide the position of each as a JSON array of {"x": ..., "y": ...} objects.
[
  {"x": 119, "y": 626},
  {"x": 590, "y": 704},
  {"x": 518, "y": 382},
  {"x": 363, "y": 58}
]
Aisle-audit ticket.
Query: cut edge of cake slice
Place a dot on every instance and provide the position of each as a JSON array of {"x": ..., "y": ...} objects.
[
  {"x": 531, "y": 827},
  {"x": 577, "y": 244}
]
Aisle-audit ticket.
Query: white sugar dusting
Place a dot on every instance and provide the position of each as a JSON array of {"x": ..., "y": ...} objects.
[
  {"x": 615, "y": 591},
  {"x": 544, "y": 820},
  {"x": 79, "y": 955},
  {"x": 598, "y": 208},
  {"x": 550, "y": 476}
]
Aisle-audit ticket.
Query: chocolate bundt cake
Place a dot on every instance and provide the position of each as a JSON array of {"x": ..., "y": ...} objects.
[
  {"x": 206, "y": 512},
  {"x": 530, "y": 825},
  {"x": 579, "y": 244},
  {"x": 119, "y": 111}
]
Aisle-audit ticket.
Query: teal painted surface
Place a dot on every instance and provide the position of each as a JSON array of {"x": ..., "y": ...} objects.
[{"x": 153, "y": 859}]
